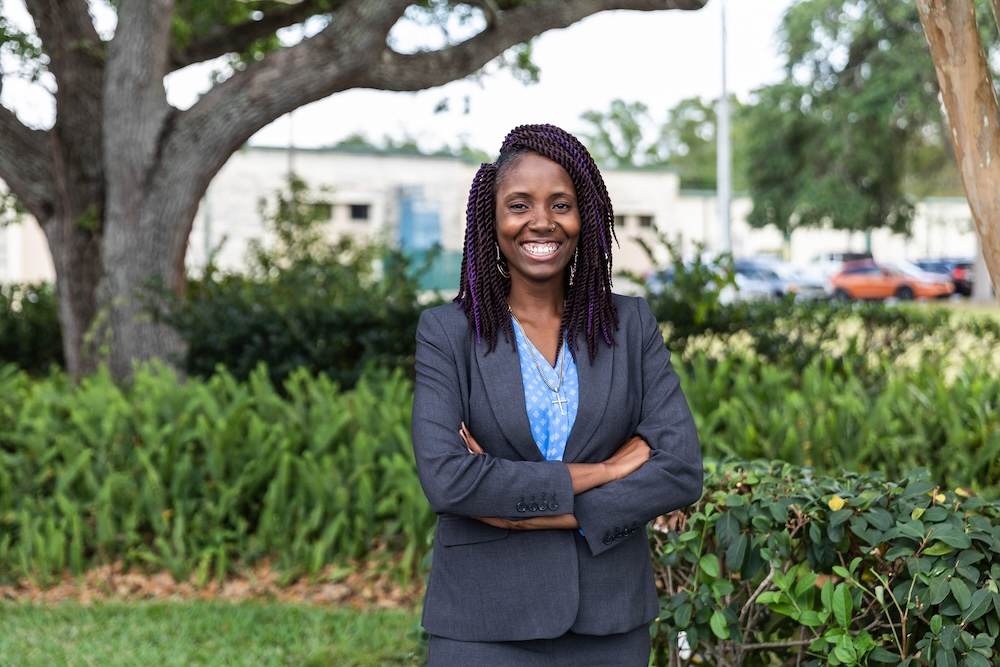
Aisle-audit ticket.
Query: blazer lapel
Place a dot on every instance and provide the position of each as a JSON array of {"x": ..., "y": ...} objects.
[
  {"x": 595, "y": 390},
  {"x": 501, "y": 376}
]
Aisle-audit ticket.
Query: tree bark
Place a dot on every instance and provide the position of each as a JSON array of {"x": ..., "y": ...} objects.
[
  {"x": 116, "y": 182},
  {"x": 971, "y": 103}
]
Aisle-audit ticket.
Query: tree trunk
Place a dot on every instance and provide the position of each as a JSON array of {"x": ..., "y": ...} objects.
[
  {"x": 116, "y": 182},
  {"x": 971, "y": 102}
]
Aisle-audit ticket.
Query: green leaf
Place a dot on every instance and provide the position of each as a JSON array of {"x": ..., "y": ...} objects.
[
  {"x": 981, "y": 602},
  {"x": 879, "y": 654},
  {"x": 843, "y": 605},
  {"x": 737, "y": 552},
  {"x": 727, "y": 528},
  {"x": 845, "y": 650},
  {"x": 961, "y": 592},
  {"x": 720, "y": 628},
  {"x": 769, "y": 597},
  {"x": 937, "y": 591},
  {"x": 936, "y": 623},
  {"x": 973, "y": 659},
  {"x": 682, "y": 617},
  {"x": 938, "y": 549},
  {"x": 811, "y": 618},
  {"x": 709, "y": 564},
  {"x": 945, "y": 658}
]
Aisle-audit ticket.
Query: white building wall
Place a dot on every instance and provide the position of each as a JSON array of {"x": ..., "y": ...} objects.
[
  {"x": 24, "y": 254},
  {"x": 643, "y": 199}
]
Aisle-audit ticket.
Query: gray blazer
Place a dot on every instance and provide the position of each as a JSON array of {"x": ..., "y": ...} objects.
[{"x": 492, "y": 584}]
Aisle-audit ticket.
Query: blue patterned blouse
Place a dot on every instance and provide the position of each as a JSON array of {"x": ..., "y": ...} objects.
[{"x": 550, "y": 414}]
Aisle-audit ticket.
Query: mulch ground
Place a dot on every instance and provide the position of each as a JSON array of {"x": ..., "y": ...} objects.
[{"x": 358, "y": 585}]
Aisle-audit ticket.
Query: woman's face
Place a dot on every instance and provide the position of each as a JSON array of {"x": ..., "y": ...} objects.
[{"x": 537, "y": 219}]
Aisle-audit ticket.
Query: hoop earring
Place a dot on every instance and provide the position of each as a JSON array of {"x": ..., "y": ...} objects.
[
  {"x": 572, "y": 267},
  {"x": 500, "y": 268}
]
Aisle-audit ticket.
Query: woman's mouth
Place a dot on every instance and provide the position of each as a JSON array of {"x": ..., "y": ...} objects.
[{"x": 540, "y": 249}]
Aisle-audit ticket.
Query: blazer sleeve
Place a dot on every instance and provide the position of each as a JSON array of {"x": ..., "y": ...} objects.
[
  {"x": 673, "y": 475},
  {"x": 455, "y": 481}
]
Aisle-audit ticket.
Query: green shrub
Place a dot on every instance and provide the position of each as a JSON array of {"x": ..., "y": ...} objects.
[
  {"x": 792, "y": 334},
  {"x": 830, "y": 418},
  {"x": 301, "y": 302},
  {"x": 30, "y": 335},
  {"x": 776, "y": 565},
  {"x": 201, "y": 477}
]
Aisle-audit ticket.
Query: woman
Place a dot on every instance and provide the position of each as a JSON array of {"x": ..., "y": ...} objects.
[{"x": 545, "y": 454}]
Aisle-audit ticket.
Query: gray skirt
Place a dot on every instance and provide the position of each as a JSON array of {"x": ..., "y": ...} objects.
[{"x": 628, "y": 649}]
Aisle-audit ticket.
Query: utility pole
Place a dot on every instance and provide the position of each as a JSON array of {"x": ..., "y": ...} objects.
[{"x": 724, "y": 159}]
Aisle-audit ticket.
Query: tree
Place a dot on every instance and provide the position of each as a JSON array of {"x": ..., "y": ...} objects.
[
  {"x": 617, "y": 136},
  {"x": 855, "y": 131},
  {"x": 969, "y": 95},
  {"x": 115, "y": 182},
  {"x": 627, "y": 135}
]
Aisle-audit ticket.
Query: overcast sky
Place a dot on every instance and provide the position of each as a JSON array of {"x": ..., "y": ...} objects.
[{"x": 658, "y": 58}]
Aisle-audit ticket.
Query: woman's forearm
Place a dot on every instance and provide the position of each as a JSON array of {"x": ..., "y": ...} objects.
[
  {"x": 625, "y": 461},
  {"x": 557, "y": 522}
]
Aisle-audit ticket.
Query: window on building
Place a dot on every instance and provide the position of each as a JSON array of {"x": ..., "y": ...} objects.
[
  {"x": 646, "y": 221},
  {"x": 321, "y": 211},
  {"x": 619, "y": 221},
  {"x": 359, "y": 212}
]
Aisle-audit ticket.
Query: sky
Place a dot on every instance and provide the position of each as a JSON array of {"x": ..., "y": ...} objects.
[{"x": 658, "y": 58}]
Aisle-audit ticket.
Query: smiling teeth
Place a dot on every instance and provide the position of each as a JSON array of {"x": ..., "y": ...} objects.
[{"x": 541, "y": 248}]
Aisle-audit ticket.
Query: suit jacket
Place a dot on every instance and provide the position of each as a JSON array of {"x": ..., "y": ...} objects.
[{"x": 493, "y": 584}]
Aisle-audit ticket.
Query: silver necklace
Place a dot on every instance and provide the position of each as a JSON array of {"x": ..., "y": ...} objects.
[{"x": 558, "y": 400}]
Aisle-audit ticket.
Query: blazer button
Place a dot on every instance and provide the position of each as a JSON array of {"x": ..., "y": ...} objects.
[
  {"x": 542, "y": 506},
  {"x": 521, "y": 507},
  {"x": 533, "y": 506},
  {"x": 607, "y": 538},
  {"x": 553, "y": 506}
]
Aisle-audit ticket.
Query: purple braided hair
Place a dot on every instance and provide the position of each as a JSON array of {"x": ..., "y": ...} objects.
[{"x": 590, "y": 309}]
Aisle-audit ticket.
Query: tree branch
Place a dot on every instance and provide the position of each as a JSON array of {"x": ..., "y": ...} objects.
[
  {"x": 24, "y": 166},
  {"x": 224, "y": 39},
  {"x": 403, "y": 72},
  {"x": 351, "y": 52}
]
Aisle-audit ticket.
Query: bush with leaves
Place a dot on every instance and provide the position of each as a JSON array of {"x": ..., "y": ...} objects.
[
  {"x": 778, "y": 566},
  {"x": 303, "y": 302},
  {"x": 30, "y": 335},
  {"x": 791, "y": 333}
]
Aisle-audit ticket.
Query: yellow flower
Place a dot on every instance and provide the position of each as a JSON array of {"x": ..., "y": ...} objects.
[
  {"x": 836, "y": 503},
  {"x": 939, "y": 498},
  {"x": 962, "y": 492}
]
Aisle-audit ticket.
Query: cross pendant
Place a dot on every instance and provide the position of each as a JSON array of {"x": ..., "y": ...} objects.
[{"x": 560, "y": 401}]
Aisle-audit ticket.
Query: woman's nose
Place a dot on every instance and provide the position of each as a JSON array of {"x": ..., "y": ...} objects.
[{"x": 540, "y": 220}]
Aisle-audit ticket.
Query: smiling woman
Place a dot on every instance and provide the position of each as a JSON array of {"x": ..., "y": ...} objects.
[{"x": 542, "y": 492}]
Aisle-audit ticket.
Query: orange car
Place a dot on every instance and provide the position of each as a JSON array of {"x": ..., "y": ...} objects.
[{"x": 869, "y": 280}]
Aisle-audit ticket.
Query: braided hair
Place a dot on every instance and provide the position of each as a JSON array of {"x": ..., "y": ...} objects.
[{"x": 590, "y": 309}]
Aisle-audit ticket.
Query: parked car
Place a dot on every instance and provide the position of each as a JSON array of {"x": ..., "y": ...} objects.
[
  {"x": 960, "y": 270},
  {"x": 750, "y": 283},
  {"x": 868, "y": 280},
  {"x": 830, "y": 263},
  {"x": 786, "y": 278},
  {"x": 757, "y": 281}
]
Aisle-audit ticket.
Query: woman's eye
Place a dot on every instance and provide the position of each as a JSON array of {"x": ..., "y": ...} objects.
[{"x": 562, "y": 206}]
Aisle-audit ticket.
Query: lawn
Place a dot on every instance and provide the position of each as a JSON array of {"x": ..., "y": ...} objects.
[{"x": 205, "y": 633}]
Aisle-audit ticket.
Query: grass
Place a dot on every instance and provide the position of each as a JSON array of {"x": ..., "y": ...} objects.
[{"x": 204, "y": 633}]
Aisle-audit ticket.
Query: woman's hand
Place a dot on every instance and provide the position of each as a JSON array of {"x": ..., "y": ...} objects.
[
  {"x": 629, "y": 457},
  {"x": 470, "y": 442},
  {"x": 625, "y": 461},
  {"x": 557, "y": 522}
]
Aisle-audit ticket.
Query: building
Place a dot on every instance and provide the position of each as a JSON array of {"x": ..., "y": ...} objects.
[{"x": 418, "y": 202}]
